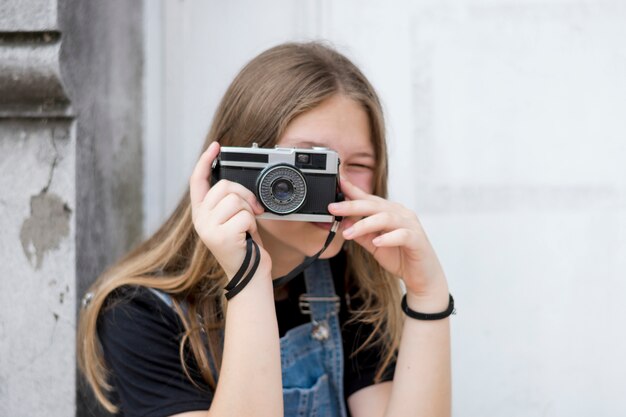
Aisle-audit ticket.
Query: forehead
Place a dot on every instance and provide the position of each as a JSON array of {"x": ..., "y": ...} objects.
[{"x": 338, "y": 123}]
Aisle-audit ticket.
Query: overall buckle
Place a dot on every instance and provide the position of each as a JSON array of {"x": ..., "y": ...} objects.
[{"x": 305, "y": 300}]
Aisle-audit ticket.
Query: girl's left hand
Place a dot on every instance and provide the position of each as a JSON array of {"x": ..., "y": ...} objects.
[{"x": 394, "y": 236}]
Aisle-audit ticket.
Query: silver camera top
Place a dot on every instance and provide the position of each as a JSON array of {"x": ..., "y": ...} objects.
[{"x": 316, "y": 159}]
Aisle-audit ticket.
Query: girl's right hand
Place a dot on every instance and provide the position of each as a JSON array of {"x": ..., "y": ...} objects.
[{"x": 222, "y": 215}]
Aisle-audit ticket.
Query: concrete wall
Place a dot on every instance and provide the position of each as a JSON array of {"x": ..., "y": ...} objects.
[
  {"x": 507, "y": 137},
  {"x": 70, "y": 181}
]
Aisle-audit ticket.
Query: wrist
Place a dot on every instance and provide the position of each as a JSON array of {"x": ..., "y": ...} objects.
[
  {"x": 421, "y": 315},
  {"x": 258, "y": 288},
  {"x": 248, "y": 270},
  {"x": 429, "y": 302}
]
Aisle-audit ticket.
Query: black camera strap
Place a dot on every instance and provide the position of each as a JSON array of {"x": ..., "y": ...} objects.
[
  {"x": 308, "y": 260},
  {"x": 239, "y": 281},
  {"x": 241, "y": 278}
]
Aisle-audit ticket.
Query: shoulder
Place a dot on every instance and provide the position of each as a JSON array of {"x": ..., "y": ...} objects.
[
  {"x": 136, "y": 299},
  {"x": 134, "y": 315},
  {"x": 141, "y": 335}
]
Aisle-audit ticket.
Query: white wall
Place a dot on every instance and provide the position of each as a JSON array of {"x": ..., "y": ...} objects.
[
  {"x": 194, "y": 49},
  {"x": 508, "y": 138}
]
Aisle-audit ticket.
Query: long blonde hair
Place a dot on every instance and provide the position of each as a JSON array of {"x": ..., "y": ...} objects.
[{"x": 269, "y": 92}]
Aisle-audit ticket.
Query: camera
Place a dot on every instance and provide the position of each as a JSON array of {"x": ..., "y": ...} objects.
[{"x": 291, "y": 183}]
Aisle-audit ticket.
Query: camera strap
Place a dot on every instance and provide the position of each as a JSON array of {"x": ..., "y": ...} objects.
[
  {"x": 309, "y": 260},
  {"x": 245, "y": 272},
  {"x": 241, "y": 279}
]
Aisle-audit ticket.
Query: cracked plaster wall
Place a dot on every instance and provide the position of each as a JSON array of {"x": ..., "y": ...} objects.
[
  {"x": 70, "y": 184},
  {"x": 37, "y": 313}
]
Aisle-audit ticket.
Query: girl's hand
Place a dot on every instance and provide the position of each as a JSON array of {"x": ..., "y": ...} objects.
[
  {"x": 222, "y": 215},
  {"x": 394, "y": 236}
]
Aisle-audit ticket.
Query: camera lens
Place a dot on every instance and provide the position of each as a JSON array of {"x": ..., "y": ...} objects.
[{"x": 282, "y": 189}]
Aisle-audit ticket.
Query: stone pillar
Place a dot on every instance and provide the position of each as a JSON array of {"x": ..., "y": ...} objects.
[{"x": 70, "y": 183}]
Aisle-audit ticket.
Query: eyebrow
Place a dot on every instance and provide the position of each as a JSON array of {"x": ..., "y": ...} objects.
[
  {"x": 313, "y": 143},
  {"x": 309, "y": 143}
]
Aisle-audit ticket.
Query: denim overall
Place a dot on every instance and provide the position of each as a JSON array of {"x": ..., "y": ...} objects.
[{"x": 311, "y": 354}]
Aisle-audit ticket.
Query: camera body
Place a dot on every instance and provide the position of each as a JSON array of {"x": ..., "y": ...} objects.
[{"x": 291, "y": 183}]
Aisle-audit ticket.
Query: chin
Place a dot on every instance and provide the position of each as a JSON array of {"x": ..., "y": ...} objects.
[
  {"x": 335, "y": 246},
  {"x": 332, "y": 250},
  {"x": 305, "y": 237}
]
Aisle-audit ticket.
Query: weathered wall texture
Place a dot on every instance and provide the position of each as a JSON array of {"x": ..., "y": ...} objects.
[
  {"x": 70, "y": 183},
  {"x": 38, "y": 287}
]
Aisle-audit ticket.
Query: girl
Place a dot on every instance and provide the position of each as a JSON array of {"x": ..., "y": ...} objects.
[{"x": 157, "y": 336}]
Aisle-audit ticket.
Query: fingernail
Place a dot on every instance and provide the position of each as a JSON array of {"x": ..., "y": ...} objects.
[
  {"x": 348, "y": 232},
  {"x": 333, "y": 206}
]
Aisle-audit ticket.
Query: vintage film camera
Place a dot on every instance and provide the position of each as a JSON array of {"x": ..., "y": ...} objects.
[{"x": 291, "y": 183}]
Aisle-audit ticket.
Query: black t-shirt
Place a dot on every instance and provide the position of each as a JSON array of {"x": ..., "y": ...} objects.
[{"x": 140, "y": 336}]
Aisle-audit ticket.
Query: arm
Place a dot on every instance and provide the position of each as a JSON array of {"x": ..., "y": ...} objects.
[
  {"x": 140, "y": 333},
  {"x": 421, "y": 384},
  {"x": 250, "y": 381},
  {"x": 370, "y": 401},
  {"x": 395, "y": 238}
]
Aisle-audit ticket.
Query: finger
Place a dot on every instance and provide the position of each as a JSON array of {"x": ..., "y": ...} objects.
[
  {"x": 366, "y": 242},
  {"x": 397, "y": 237},
  {"x": 199, "y": 181},
  {"x": 347, "y": 222},
  {"x": 240, "y": 223},
  {"x": 228, "y": 207},
  {"x": 224, "y": 188},
  {"x": 358, "y": 207},
  {"x": 378, "y": 223},
  {"x": 353, "y": 192}
]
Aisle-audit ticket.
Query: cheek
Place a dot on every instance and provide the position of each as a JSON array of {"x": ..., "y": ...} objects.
[{"x": 364, "y": 179}]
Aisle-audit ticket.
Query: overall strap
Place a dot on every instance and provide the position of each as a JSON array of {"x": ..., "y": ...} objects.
[
  {"x": 323, "y": 304},
  {"x": 320, "y": 299},
  {"x": 165, "y": 297}
]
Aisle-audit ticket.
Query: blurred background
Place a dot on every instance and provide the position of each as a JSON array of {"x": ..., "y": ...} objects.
[
  {"x": 506, "y": 125},
  {"x": 507, "y": 136}
]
